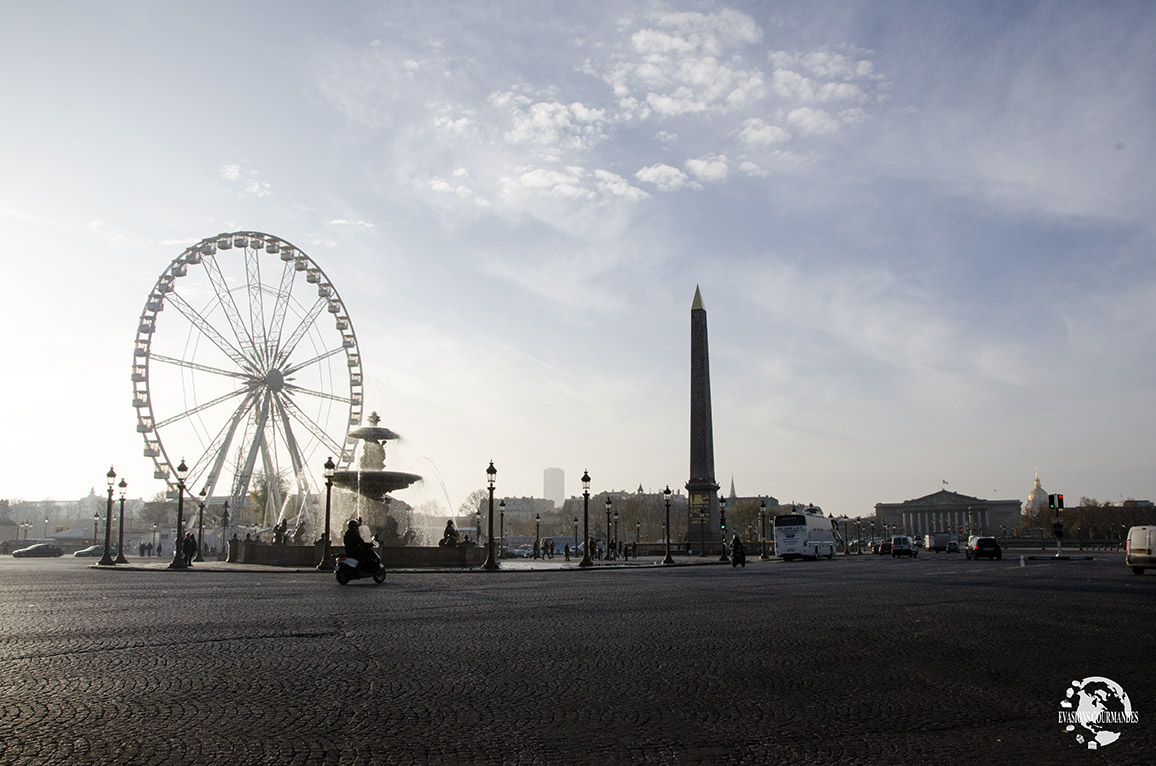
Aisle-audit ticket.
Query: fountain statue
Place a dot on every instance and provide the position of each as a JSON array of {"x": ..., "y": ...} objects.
[{"x": 371, "y": 480}]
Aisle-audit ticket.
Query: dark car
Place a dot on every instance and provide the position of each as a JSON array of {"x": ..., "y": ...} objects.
[
  {"x": 882, "y": 548},
  {"x": 92, "y": 550},
  {"x": 40, "y": 549},
  {"x": 984, "y": 547}
]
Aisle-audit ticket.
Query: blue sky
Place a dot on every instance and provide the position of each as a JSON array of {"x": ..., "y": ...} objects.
[{"x": 922, "y": 231}]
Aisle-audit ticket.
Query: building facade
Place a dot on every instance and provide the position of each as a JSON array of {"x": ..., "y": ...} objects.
[{"x": 945, "y": 511}]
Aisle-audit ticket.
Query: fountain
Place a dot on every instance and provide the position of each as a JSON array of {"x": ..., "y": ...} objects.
[{"x": 371, "y": 480}]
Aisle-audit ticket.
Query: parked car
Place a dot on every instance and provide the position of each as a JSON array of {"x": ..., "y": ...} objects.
[
  {"x": 524, "y": 551},
  {"x": 953, "y": 546},
  {"x": 901, "y": 545},
  {"x": 983, "y": 547},
  {"x": 40, "y": 549},
  {"x": 92, "y": 550}
]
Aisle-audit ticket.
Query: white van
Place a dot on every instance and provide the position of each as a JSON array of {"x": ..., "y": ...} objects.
[{"x": 1141, "y": 552}]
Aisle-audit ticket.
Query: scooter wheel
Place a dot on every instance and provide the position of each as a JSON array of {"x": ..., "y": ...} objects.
[
  {"x": 343, "y": 576},
  {"x": 379, "y": 577}
]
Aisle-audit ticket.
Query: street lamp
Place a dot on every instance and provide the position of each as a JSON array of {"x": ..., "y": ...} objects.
[
  {"x": 478, "y": 528},
  {"x": 95, "y": 527},
  {"x": 575, "y": 535},
  {"x": 201, "y": 525},
  {"x": 609, "y": 508},
  {"x": 722, "y": 528},
  {"x": 537, "y": 535},
  {"x": 106, "y": 559},
  {"x": 637, "y": 532},
  {"x": 491, "y": 564},
  {"x": 178, "y": 561},
  {"x": 585, "y": 562},
  {"x": 763, "y": 529},
  {"x": 46, "y": 531},
  {"x": 615, "y": 534},
  {"x": 326, "y": 563},
  {"x": 501, "y": 525},
  {"x": 222, "y": 554},
  {"x": 120, "y": 559},
  {"x": 668, "y": 559}
]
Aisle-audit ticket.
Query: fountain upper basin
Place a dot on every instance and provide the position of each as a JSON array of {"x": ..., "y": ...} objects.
[{"x": 374, "y": 484}]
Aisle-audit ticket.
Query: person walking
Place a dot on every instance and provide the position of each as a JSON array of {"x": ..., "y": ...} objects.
[{"x": 189, "y": 548}]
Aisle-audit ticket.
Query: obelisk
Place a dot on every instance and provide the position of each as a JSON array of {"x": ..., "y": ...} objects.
[{"x": 702, "y": 487}]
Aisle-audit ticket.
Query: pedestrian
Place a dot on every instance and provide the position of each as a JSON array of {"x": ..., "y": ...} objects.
[
  {"x": 189, "y": 548},
  {"x": 158, "y": 550},
  {"x": 566, "y": 551}
]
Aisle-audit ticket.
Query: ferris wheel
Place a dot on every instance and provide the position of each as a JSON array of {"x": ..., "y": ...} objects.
[{"x": 253, "y": 370}]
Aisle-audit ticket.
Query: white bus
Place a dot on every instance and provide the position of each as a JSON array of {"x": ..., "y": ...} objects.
[{"x": 804, "y": 536}]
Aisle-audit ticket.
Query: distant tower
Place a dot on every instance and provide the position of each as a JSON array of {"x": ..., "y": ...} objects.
[
  {"x": 702, "y": 487},
  {"x": 554, "y": 486}
]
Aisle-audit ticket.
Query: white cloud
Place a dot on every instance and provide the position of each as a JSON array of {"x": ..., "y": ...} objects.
[
  {"x": 665, "y": 177},
  {"x": 353, "y": 224},
  {"x": 611, "y": 183},
  {"x": 812, "y": 122},
  {"x": 553, "y": 124},
  {"x": 246, "y": 180},
  {"x": 711, "y": 168},
  {"x": 756, "y": 132}
]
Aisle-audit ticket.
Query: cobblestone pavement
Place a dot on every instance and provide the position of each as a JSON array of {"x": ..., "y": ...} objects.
[{"x": 862, "y": 659}]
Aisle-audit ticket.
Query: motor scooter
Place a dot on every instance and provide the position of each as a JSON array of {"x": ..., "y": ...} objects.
[{"x": 349, "y": 568}]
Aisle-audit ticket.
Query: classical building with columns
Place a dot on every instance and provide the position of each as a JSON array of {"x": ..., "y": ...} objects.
[{"x": 946, "y": 511}]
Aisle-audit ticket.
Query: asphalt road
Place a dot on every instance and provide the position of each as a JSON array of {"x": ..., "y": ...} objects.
[{"x": 861, "y": 659}]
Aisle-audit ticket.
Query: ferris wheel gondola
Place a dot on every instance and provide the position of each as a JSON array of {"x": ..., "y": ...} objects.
[{"x": 254, "y": 367}]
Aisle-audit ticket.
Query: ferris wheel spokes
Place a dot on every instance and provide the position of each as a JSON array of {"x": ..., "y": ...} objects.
[
  {"x": 209, "y": 331},
  {"x": 219, "y": 447},
  {"x": 261, "y": 417},
  {"x": 305, "y": 420},
  {"x": 319, "y": 358},
  {"x": 280, "y": 308},
  {"x": 320, "y": 394},
  {"x": 298, "y": 333},
  {"x": 203, "y": 406},
  {"x": 201, "y": 367},
  {"x": 256, "y": 302},
  {"x": 232, "y": 313}
]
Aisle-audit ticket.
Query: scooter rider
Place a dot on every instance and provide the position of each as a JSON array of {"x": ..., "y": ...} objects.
[{"x": 356, "y": 546}]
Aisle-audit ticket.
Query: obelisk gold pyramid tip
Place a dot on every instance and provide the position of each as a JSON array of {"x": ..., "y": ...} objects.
[{"x": 697, "y": 305}]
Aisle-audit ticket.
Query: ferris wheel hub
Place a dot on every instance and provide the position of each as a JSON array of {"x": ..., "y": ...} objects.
[{"x": 275, "y": 380}]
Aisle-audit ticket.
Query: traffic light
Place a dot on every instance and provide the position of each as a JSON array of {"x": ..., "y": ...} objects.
[
  {"x": 1052, "y": 501},
  {"x": 722, "y": 521},
  {"x": 1059, "y": 501}
]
